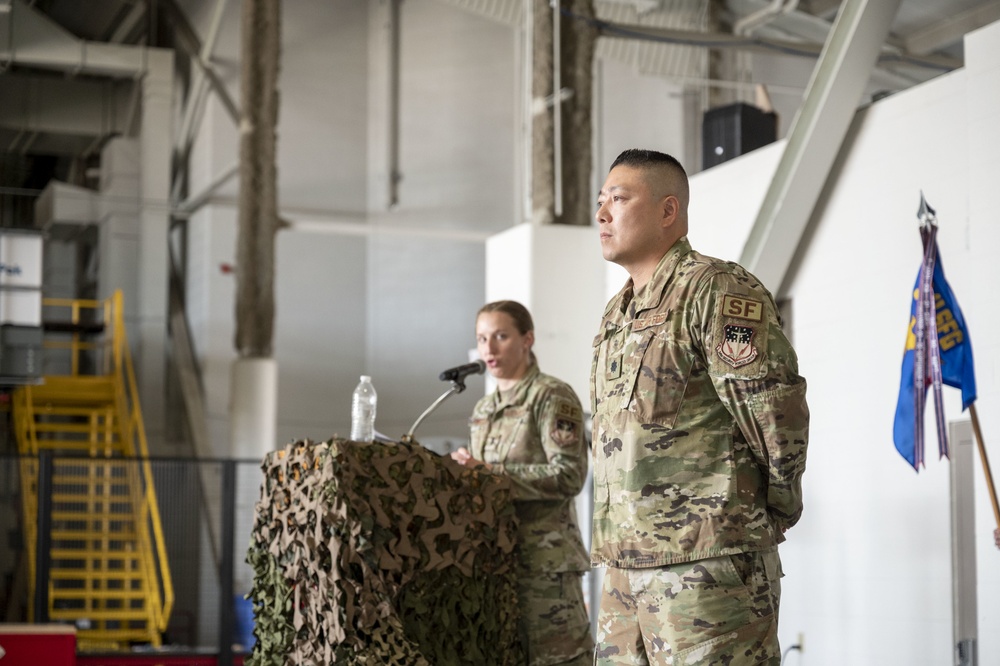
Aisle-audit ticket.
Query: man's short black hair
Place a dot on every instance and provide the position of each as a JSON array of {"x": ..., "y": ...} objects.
[{"x": 639, "y": 157}]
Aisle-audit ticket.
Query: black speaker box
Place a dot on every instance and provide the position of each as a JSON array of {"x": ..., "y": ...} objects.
[{"x": 734, "y": 130}]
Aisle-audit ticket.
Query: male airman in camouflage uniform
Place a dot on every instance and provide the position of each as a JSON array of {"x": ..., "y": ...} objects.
[
  {"x": 533, "y": 434},
  {"x": 700, "y": 430}
]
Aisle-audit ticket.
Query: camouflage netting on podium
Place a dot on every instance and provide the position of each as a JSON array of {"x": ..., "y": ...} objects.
[{"x": 381, "y": 554}]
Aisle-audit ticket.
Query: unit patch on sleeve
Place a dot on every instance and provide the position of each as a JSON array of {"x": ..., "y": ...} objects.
[
  {"x": 742, "y": 307},
  {"x": 737, "y": 348},
  {"x": 566, "y": 432},
  {"x": 568, "y": 425}
]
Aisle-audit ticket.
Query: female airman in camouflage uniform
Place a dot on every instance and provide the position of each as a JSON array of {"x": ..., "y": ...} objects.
[{"x": 531, "y": 430}]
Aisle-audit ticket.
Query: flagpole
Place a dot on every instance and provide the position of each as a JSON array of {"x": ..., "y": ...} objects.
[{"x": 986, "y": 462}]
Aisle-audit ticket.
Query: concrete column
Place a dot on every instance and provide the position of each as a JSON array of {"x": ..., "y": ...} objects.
[
  {"x": 253, "y": 407},
  {"x": 150, "y": 310}
]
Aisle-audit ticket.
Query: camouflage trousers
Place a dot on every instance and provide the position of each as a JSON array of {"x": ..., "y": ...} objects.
[
  {"x": 712, "y": 612},
  {"x": 554, "y": 621}
]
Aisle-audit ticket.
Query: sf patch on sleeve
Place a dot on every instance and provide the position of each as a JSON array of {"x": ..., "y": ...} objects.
[
  {"x": 568, "y": 424},
  {"x": 740, "y": 335}
]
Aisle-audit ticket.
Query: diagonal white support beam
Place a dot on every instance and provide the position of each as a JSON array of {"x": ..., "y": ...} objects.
[
  {"x": 817, "y": 133},
  {"x": 195, "y": 104}
]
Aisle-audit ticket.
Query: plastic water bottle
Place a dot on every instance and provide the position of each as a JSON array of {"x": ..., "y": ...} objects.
[{"x": 363, "y": 411}]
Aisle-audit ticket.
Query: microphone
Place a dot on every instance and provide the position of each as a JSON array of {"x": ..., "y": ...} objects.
[{"x": 458, "y": 373}]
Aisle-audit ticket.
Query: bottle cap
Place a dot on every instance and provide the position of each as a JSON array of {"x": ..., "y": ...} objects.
[{"x": 365, "y": 378}]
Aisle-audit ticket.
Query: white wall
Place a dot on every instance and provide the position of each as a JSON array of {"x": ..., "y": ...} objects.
[
  {"x": 557, "y": 272},
  {"x": 320, "y": 277},
  {"x": 459, "y": 112},
  {"x": 868, "y": 569},
  {"x": 362, "y": 288},
  {"x": 633, "y": 110}
]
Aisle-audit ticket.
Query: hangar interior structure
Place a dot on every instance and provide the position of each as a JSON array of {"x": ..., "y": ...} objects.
[{"x": 405, "y": 193}]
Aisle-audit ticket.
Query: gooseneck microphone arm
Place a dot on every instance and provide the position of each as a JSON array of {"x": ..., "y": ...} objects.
[
  {"x": 455, "y": 388},
  {"x": 457, "y": 377}
]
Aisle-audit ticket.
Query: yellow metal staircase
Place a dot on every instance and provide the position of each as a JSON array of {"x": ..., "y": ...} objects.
[{"x": 108, "y": 565}]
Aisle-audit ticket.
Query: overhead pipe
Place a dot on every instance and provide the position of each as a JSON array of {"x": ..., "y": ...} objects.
[
  {"x": 556, "y": 111},
  {"x": 29, "y": 38},
  {"x": 745, "y": 26},
  {"x": 393, "y": 128},
  {"x": 528, "y": 119}
]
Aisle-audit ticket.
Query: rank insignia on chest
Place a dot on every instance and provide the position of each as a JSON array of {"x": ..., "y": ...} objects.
[
  {"x": 737, "y": 348},
  {"x": 615, "y": 367}
]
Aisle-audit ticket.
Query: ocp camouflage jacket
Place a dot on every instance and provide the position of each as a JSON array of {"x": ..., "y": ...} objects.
[
  {"x": 700, "y": 417},
  {"x": 535, "y": 437}
]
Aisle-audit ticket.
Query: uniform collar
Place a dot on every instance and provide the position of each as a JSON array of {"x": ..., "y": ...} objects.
[
  {"x": 628, "y": 303},
  {"x": 517, "y": 394}
]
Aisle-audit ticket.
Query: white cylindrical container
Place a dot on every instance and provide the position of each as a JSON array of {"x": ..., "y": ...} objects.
[{"x": 363, "y": 411}]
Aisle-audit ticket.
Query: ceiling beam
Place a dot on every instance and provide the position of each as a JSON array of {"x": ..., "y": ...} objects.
[
  {"x": 824, "y": 8},
  {"x": 725, "y": 40},
  {"x": 944, "y": 33},
  {"x": 129, "y": 23}
]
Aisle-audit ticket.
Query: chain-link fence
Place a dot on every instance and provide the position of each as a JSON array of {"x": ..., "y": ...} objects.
[{"x": 71, "y": 531}]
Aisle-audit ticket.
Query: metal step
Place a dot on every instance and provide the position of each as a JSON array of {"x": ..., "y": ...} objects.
[
  {"x": 69, "y": 390},
  {"x": 124, "y": 576}
]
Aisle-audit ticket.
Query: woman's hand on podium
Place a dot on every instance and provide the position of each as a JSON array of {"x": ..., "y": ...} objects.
[{"x": 463, "y": 457}]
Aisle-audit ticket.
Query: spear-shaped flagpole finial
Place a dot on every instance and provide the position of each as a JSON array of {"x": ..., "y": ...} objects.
[{"x": 925, "y": 213}]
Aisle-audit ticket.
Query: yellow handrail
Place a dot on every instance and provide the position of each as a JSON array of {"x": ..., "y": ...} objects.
[
  {"x": 75, "y": 345},
  {"x": 134, "y": 432}
]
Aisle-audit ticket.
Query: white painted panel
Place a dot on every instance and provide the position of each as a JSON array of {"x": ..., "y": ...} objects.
[
  {"x": 509, "y": 264},
  {"x": 20, "y": 260},
  {"x": 718, "y": 223},
  {"x": 635, "y": 111},
  {"x": 556, "y": 271},
  {"x": 22, "y": 307}
]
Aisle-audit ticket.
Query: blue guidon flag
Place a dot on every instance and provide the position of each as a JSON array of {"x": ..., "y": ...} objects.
[{"x": 938, "y": 351}]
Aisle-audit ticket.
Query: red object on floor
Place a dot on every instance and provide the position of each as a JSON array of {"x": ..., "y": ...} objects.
[
  {"x": 151, "y": 659},
  {"x": 36, "y": 644}
]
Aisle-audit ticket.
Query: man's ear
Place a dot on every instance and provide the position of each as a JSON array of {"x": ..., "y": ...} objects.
[{"x": 671, "y": 210}]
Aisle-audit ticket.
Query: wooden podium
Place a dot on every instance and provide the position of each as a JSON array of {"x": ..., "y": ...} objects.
[{"x": 382, "y": 553}]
